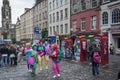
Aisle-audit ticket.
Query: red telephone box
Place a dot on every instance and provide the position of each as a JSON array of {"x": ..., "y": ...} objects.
[
  {"x": 102, "y": 43},
  {"x": 81, "y": 47},
  {"x": 66, "y": 46}
]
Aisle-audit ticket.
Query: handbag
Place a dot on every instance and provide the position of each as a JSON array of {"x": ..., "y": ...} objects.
[{"x": 12, "y": 55}]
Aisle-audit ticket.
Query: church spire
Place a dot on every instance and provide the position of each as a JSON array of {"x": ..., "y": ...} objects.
[{"x": 5, "y": 2}]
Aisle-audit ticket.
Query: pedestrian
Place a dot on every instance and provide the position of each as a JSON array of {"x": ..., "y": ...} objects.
[
  {"x": 4, "y": 59},
  {"x": 119, "y": 75},
  {"x": 28, "y": 52},
  {"x": 55, "y": 61},
  {"x": 112, "y": 49},
  {"x": 47, "y": 53},
  {"x": 95, "y": 57},
  {"x": 13, "y": 55},
  {"x": 0, "y": 54},
  {"x": 40, "y": 51},
  {"x": 35, "y": 56}
]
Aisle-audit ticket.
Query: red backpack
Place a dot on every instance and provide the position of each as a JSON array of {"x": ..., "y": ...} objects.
[{"x": 96, "y": 57}]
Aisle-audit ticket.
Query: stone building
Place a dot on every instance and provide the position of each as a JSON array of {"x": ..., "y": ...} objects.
[
  {"x": 31, "y": 18},
  {"x": 110, "y": 21},
  {"x": 40, "y": 17},
  {"x": 58, "y": 19},
  {"x": 85, "y": 18},
  {"x": 18, "y": 34},
  {"x": 6, "y": 19},
  {"x": 26, "y": 25}
]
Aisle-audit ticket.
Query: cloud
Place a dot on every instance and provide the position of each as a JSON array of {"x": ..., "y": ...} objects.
[{"x": 17, "y": 7}]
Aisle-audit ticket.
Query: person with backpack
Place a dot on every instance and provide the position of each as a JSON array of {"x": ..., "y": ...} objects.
[
  {"x": 56, "y": 58},
  {"x": 95, "y": 58}
]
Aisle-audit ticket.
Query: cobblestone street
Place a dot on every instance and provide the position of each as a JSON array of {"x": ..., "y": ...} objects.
[{"x": 70, "y": 70}]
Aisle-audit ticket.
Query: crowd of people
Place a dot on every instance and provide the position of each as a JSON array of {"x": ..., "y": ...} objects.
[
  {"x": 36, "y": 53},
  {"x": 11, "y": 54}
]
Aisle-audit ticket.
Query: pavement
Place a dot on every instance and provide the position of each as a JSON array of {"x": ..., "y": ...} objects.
[{"x": 70, "y": 70}]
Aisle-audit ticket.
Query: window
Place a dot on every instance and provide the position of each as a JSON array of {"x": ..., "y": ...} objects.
[
  {"x": 94, "y": 3},
  {"x": 45, "y": 2},
  {"x": 93, "y": 22},
  {"x": 61, "y": 29},
  {"x": 57, "y": 29},
  {"x": 54, "y": 29},
  {"x": 105, "y": 18},
  {"x": 74, "y": 25},
  {"x": 83, "y": 23},
  {"x": 65, "y": 1},
  {"x": 116, "y": 16},
  {"x": 66, "y": 12},
  {"x": 53, "y": 4},
  {"x": 57, "y": 16},
  {"x": 53, "y": 17},
  {"x": 83, "y": 4},
  {"x": 50, "y": 18},
  {"x": 56, "y": 3},
  {"x": 61, "y": 14},
  {"x": 46, "y": 25},
  {"x": 75, "y": 7},
  {"x": 66, "y": 28},
  {"x": 61, "y": 1},
  {"x": 43, "y": 16},
  {"x": 39, "y": 16},
  {"x": 50, "y": 5},
  {"x": 50, "y": 30},
  {"x": 43, "y": 24}
]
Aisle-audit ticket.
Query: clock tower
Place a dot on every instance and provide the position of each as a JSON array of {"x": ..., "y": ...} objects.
[{"x": 6, "y": 18}]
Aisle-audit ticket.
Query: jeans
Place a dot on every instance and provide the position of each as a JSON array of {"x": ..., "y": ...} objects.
[
  {"x": 95, "y": 68},
  {"x": 4, "y": 60}
]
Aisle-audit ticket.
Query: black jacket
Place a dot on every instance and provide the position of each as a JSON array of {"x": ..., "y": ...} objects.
[{"x": 5, "y": 50}]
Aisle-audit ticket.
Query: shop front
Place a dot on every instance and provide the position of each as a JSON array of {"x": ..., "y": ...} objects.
[{"x": 115, "y": 36}]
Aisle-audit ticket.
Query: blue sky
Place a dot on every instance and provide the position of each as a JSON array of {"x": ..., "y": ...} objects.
[{"x": 17, "y": 7}]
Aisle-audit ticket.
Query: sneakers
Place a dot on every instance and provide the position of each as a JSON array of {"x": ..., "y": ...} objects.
[
  {"x": 58, "y": 75},
  {"x": 54, "y": 76},
  {"x": 29, "y": 70}
]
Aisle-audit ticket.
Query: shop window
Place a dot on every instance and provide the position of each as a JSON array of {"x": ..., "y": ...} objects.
[
  {"x": 105, "y": 18},
  {"x": 116, "y": 16}
]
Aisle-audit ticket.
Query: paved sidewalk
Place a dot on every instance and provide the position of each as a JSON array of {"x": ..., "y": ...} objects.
[{"x": 70, "y": 70}]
